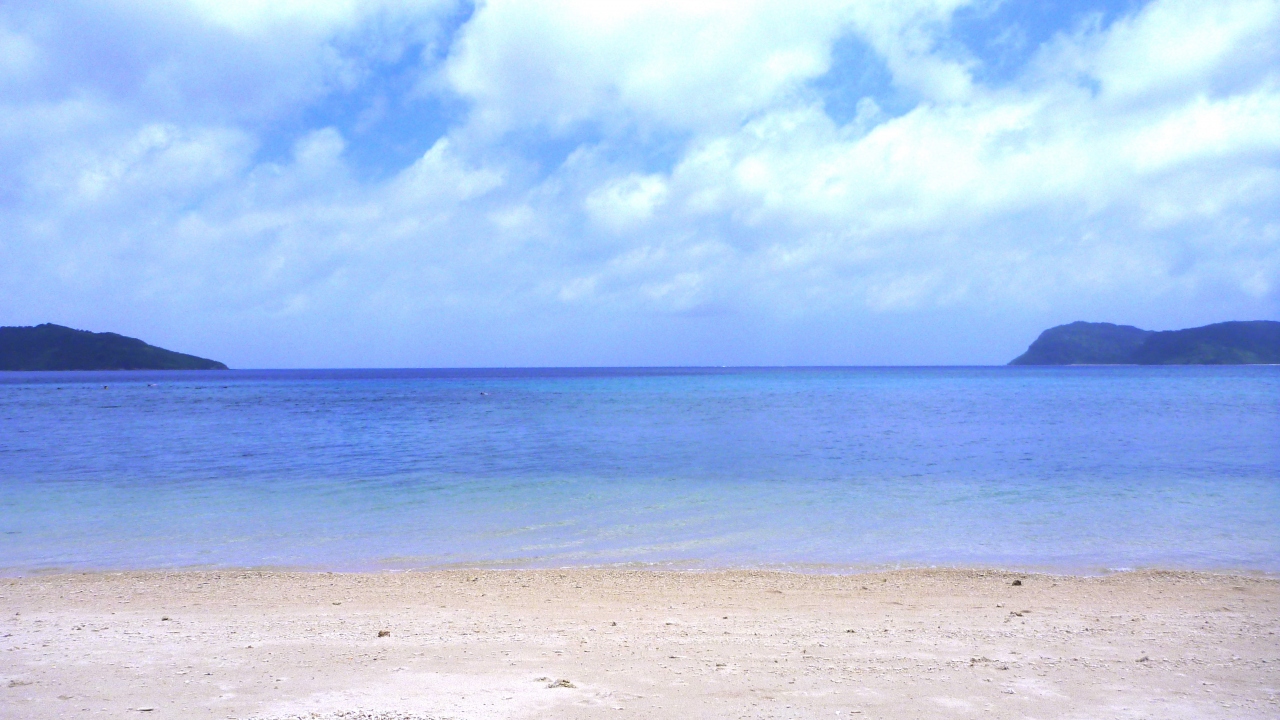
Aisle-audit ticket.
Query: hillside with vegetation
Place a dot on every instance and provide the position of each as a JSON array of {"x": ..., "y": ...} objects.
[
  {"x": 1086, "y": 343},
  {"x": 54, "y": 347}
]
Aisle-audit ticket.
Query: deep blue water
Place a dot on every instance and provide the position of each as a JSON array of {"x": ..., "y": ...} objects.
[{"x": 1079, "y": 469}]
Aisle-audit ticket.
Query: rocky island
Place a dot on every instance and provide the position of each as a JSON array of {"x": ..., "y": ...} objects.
[
  {"x": 54, "y": 347},
  {"x": 1086, "y": 343}
]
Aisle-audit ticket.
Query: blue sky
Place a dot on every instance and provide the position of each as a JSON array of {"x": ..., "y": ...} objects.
[{"x": 360, "y": 184}]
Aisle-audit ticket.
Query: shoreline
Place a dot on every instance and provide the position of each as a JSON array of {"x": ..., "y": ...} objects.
[
  {"x": 465, "y": 643},
  {"x": 693, "y": 568}
]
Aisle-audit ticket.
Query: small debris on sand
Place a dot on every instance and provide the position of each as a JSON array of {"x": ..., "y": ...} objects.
[
  {"x": 925, "y": 634},
  {"x": 384, "y": 633},
  {"x": 356, "y": 715}
]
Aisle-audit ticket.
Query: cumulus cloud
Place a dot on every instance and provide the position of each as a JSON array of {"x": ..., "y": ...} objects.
[
  {"x": 630, "y": 182},
  {"x": 627, "y": 201},
  {"x": 683, "y": 65}
]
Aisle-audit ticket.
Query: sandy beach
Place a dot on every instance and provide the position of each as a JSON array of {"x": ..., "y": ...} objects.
[{"x": 603, "y": 643}]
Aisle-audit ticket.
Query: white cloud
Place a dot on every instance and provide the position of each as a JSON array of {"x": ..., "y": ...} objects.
[
  {"x": 907, "y": 35},
  {"x": 1129, "y": 169},
  {"x": 158, "y": 161},
  {"x": 626, "y": 202},
  {"x": 252, "y": 16},
  {"x": 1184, "y": 46},
  {"x": 440, "y": 173},
  {"x": 942, "y": 175},
  {"x": 1203, "y": 129},
  {"x": 681, "y": 64}
]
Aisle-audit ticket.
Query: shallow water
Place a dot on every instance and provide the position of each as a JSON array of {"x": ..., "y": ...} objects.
[{"x": 1074, "y": 469}]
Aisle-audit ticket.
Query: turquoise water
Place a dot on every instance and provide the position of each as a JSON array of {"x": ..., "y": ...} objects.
[{"x": 1077, "y": 469}]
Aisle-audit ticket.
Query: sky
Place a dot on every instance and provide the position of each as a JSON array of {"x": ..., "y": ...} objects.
[{"x": 339, "y": 183}]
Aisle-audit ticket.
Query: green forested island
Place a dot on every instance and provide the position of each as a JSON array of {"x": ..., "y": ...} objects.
[
  {"x": 54, "y": 347},
  {"x": 1086, "y": 343}
]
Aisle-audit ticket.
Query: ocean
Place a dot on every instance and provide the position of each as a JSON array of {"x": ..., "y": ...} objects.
[{"x": 1070, "y": 469}]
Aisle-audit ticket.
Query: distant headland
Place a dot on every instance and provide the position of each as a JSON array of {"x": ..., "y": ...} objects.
[
  {"x": 54, "y": 347},
  {"x": 1086, "y": 343}
]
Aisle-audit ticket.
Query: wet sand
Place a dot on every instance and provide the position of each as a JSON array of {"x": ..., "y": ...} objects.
[{"x": 618, "y": 644}]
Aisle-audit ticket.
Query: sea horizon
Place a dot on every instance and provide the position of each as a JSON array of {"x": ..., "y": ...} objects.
[{"x": 638, "y": 368}]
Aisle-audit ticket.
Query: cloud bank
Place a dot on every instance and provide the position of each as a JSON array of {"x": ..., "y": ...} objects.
[{"x": 510, "y": 183}]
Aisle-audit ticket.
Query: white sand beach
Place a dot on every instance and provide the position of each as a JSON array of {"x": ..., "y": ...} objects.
[{"x": 585, "y": 643}]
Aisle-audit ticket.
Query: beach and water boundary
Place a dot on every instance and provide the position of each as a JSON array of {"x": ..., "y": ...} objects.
[{"x": 496, "y": 520}]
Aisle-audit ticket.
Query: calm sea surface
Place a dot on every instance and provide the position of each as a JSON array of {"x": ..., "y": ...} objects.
[{"x": 1079, "y": 469}]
